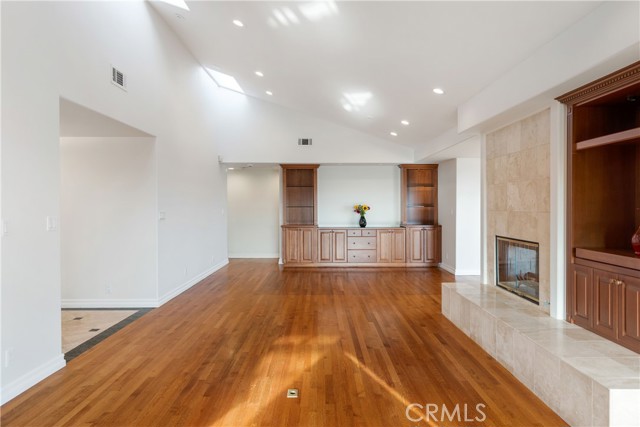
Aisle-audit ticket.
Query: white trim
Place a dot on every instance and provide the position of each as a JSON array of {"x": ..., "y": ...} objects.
[
  {"x": 253, "y": 255},
  {"x": 558, "y": 210},
  {"x": 109, "y": 303},
  {"x": 447, "y": 268},
  {"x": 31, "y": 378},
  {"x": 180, "y": 289}
]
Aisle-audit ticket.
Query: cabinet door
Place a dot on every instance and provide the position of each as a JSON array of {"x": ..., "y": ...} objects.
[
  {"x": 291, "y": 245},
  {"x": 325, "y": 245},
  {"x": 307, "y": 244},
  {"x": 629, "y": 308},
  {"x": 605, "y": 314},
  {"x": 385, "y": 246},
  {"x": 432, "y": 245},
  {"x": 339, "y": 250},
  {"x": 415, "y": 245},
  {"x": 398, "y": 249},
  {"x": 582, "y": 291}
]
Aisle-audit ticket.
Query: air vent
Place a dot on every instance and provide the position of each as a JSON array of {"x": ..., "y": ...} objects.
[
  {"x": 304, "y": 141},
  {"x": 118, "y": 78}
]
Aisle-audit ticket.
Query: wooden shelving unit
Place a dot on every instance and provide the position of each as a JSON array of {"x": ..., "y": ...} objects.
[
  {"x": 603, "y": 209},
  {"x": 300, "y": 194},
  {"x": 419, "y": 195}
]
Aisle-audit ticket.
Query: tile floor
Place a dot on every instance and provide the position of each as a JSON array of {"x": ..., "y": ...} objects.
[{"x": 79, "y": 326}]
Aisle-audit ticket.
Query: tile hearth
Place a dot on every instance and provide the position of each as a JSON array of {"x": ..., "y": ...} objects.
[{"x": 586, "y": 379}]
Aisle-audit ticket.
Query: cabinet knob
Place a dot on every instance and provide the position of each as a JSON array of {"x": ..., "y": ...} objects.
[{"x": 619, "y": 282}]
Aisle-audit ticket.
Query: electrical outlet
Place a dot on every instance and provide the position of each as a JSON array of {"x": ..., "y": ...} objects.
[
  {"x": 213, "y": 259},
  {"x": 4, "y": 228},
  {"x": 108, "y": 288},
  {"x": 52, "y": 223},
  {"x": 186, "y": 271},
  {"x": 446, "y": 256}
]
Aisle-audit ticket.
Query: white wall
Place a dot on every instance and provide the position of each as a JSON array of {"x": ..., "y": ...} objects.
[
  {"x": 467, "y": 228},
  {"x": 447, "y": 213},
  {"x": 253, "y": 196},
  {"x": 341, "y": 187},
  {"x": 65, "y": 49},
  {"x": 267, "y": 133},
  {"x": 108, "y": 222}
]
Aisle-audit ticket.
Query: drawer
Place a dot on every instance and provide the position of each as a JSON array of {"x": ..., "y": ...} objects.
[
  {"x": 355, "y": 233},
  {"x": 362, "y": 256},
  {"x": 361, "y": 243},
  {"x": 369, "y": 233}
]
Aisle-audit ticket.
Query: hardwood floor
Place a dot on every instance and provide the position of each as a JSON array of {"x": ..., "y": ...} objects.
[{"x": 360, "y": 345}]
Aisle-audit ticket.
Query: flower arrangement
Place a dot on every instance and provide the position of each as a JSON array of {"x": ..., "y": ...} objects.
[{"x": 361, "y": 209}]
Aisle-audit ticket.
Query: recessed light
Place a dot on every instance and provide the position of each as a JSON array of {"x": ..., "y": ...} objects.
[
  {"x": 238, "y": 23},
  {"x": 348, "y": 107},
  {"x": 230, "y": 169},
  {"x": 393, "y": 134},
  {"x": 268, "y": 92},
  {"x": 259, "y": 74},
  {"x": 438, "y": 91},
  {"x": 405, "y": 122}
]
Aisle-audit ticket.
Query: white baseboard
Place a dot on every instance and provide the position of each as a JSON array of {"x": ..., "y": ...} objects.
[
  {"x": 447, "y": 268},
  {"x": 254, "y": 255},
  {"x": 109, "y": 303},
  {"x": 31, "y": 378},
  {"x": 180, "y": 289}
]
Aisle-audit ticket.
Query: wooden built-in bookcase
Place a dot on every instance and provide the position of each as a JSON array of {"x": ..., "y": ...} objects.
[
  {"x": 419, "y": 196},
  {"x": 300, "y": 194},
  {"x": 603, "y": 205}
]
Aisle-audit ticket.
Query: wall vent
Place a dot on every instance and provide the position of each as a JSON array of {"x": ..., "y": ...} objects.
[
  {"x": 304, "y": 141},
  {"x": 118, "y": 78}
]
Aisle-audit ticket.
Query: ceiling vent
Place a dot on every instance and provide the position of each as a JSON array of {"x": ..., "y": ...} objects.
[
  {"x": 118, "y": 78},
  {"x": 304, "y": 141}
]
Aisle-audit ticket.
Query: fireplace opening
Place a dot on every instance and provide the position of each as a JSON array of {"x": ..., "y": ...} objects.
[{"x": 517, "y": 267}]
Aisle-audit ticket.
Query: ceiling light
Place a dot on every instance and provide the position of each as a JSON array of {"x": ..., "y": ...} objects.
[
  {"x": 238, "y": 23},
  {"x": 393, "y": 134},
  {"x": 259, "y": 74},
  {"x": 230, "y": 169},
  {"x": 438, "y": 91},
  {"x": 405, "y": 122},
  {"x": 224, "y": 80},
  {"x": 268, "y": 92},
  {"x": 347, "y": 107}
]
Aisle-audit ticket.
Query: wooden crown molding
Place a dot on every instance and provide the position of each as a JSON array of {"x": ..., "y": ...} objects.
[{"x": 616, "y": 80}]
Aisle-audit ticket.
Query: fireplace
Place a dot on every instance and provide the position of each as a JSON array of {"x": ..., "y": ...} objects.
[{"x": 517, "y": 267}]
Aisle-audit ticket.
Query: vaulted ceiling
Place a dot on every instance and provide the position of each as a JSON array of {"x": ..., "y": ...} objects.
[{"x": 369, "y": 65}]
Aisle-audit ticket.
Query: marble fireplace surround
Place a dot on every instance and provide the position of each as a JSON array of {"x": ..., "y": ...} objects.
[{"x": 584, "y": 378}]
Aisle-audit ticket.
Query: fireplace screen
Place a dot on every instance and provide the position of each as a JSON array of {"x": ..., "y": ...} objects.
[{"x": 517, "y": 267}]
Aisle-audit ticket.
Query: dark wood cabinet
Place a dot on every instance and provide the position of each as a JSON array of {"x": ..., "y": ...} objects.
[
  {"x": 603, "y": 205},
  {"x": 581, "y": 308}
]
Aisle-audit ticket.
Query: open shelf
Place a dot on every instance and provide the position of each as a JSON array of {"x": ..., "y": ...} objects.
[
  {"x": 300, "y": 194},
  {"x": 631, "y": 135}
]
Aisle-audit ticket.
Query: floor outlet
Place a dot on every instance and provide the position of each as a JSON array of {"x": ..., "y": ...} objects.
[{"x": 292, "y": 393}]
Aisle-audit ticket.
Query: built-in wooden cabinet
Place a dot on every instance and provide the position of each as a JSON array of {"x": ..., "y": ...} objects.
[
  {"x": 332, "y": 245},
  {"x": 298, "y": 245},
  {"x": 606, "y": 300},
  {"x": 391, "y": 245},
  {"x": 603, "y": 209},
  {"x": 300, "y": 194},
  {"x": 419, "y": 194},
  {"x": 423, "y": 245},
  {"x": 416, "y": 243}
]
